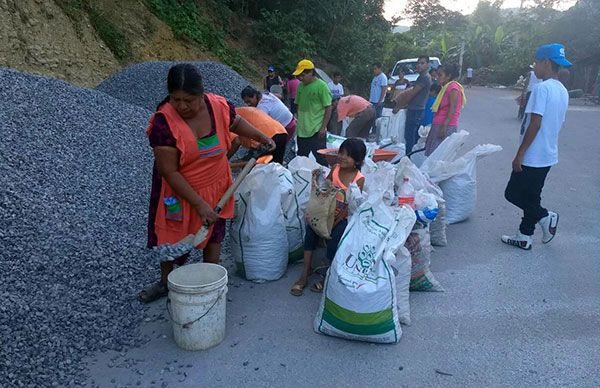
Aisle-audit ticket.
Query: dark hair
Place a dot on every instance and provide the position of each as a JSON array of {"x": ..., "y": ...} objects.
[
  {"x": 249, "y": 91},
  {"x": 356, "y": 149},
  {"x": 450, "y": 70},
  {"x": 377, "y": 65},
  {"x": 435, "y": 88},
  {"x": 425, "y": 57},
  {"x": 337, "y": 74},
  {"x": 313, "y": 71},
  {"x": 184, "y": 77},
  {"x": 432, "y": 70}
]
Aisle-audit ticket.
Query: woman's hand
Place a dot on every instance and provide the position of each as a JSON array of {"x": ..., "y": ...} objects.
[
  {"x": 268, "y": 142},
  {"x": 206, "y": 213},
  {"x": 442, "y": 130}
]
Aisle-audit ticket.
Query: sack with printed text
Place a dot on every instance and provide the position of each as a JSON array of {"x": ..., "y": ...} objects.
[{"x": 360, "y": 300}]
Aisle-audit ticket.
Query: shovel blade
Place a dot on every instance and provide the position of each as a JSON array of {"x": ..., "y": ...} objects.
[{"x": 201, "y": 235}]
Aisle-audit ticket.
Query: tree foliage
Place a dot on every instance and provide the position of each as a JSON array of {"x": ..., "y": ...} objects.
[{"x": 500, "y": 40}]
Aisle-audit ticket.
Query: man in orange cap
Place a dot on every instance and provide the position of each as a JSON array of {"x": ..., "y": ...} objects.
[{"x": 313, "y": 99}]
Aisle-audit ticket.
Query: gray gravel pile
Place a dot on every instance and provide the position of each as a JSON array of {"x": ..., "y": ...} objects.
[
  {"x": 74, "y": 186},
  {"x": 145, "y": 84}
]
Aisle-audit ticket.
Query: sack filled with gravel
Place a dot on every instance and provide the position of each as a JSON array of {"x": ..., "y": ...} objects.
[
  {"x": 145, "y": 84},
  {"x": 74, "y": 189}
]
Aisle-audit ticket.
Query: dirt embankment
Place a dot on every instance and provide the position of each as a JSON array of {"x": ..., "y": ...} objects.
[{"x": 39, "y": 37}]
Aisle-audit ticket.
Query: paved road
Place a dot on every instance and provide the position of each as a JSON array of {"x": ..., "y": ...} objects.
[{"x": 507, "y": 318}]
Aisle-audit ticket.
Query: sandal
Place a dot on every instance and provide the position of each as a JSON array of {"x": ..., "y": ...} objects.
[
  {"x": 298, "y": 289},
  {"x": 153, "y": 292},
  {"x": 317, "y": 287}
]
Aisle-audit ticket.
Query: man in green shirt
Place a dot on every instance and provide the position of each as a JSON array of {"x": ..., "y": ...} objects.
[{"x": 313, "y": 99}]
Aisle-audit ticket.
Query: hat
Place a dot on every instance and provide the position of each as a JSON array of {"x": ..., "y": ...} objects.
[
  {"x": 554, "y": 52},
  {"x": 304, "y": 64},
  {"x": 271, "y": 68}
]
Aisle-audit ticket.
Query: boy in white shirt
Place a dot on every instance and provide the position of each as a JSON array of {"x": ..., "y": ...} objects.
[
  {"x": 335, "y": 86},
  {"x": 544, "y": 117}
]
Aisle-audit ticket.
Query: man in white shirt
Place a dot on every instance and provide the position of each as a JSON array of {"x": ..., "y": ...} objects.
[
  {"x": 379, "y": 85},
  {"x": 469, "y": 76},
  {"x": 335, "y": 86},
  {"x": 544, "y": 117},
  {"x": 337, "y": 92}
]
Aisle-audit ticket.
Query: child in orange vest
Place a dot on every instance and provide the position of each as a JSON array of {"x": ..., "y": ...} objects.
[{"x": 351, "y": 156}]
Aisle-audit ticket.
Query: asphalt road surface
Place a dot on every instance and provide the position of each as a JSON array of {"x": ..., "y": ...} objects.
[{"x": 508, "y": 317}]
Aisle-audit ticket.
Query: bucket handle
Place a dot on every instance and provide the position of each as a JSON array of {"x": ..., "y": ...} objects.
[{"x": 190, "y": 323}]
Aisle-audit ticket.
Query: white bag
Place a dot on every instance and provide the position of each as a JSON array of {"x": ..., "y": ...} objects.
[
  {"x": 394, "y": 127},
  {"x": 419, "y": 246},
  {"x": 294, "y": 221},
  {"x": 421, "y": 182},
  {"x": 437, "y": 229},
  {"x": 426, "y": 206},
  {"x": 446, "y": 152},
  {"x": 458, "y": 181},
  {"x": 334, "y": 141},
  {"x": 301, "y": 168},
  {"x": 360, "y": 298},
  {"x": 379, "y": 177},
  {"x": 259, "y": 227},
  {"x": 406, "y": 168}
]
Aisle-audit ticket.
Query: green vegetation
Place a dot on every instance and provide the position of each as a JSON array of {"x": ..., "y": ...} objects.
[
  {"x": 109, "y": 32},
  {"x": 191, "y": 22},
  {"x": 71, "y": 8},
  {"x": 347, "y": 34},
  {"x": 500, "y": 43}
]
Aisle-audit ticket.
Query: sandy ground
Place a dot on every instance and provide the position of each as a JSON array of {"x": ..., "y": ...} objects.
[{"x": 508, "y": 317}]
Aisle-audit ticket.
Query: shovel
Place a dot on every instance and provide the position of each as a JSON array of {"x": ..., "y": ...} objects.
[{"x": 191, "y": 240}]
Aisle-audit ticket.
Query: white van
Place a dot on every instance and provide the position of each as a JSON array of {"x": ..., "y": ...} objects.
[{"x": 409, "y": 67}]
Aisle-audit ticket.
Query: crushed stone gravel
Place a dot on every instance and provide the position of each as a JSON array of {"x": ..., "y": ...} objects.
[{"x": 145, "y": 84}]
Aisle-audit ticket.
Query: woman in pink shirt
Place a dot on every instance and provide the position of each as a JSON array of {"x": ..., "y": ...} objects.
[
  {"x": 446, "y": 108},
  {"x": 362, "y": 112},
  {"x": 292, "y": 87}
]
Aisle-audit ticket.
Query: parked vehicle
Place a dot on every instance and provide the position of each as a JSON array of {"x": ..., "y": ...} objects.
[{"x": 409, "y": 67}]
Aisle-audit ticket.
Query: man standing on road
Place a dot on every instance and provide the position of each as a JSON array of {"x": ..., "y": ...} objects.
[
  {"x": 335, "y": 86},
  {"x": 378, "y": 89},
  {"x": 313, "y": 99},
  {"x": 415, "y": 99},
  {"x": 544, "y": 117},
  {"x": 469, "y": 76},
  {"x": 272, "y": 79}
]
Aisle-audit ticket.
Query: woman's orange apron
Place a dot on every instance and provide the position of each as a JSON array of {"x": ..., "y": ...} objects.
[{"x": 203, "y": 164}]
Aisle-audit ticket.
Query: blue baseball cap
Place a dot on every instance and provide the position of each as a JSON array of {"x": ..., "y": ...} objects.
[
  {"x": 554, "y": 52},
  {"x": 271, "y": 68}
]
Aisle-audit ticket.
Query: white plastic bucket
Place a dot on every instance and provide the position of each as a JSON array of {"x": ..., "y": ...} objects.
[{"x": 196, "y": 305}]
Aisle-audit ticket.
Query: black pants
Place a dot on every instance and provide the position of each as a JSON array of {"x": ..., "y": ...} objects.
[
  {"x": 279, "y": 151},
  {"x": 306, "y": 145},
  {"x": 524, "y": 190}
]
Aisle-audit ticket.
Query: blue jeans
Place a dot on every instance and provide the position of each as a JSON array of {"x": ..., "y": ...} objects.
[
  {"x": 311, "y": 239},
  {"x": 378, "y": 109},
  {"x": 411, "y": 128}
]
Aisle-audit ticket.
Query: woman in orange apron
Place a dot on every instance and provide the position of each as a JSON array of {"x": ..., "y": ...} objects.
[
  {"x": 267, "y": 125},
  {"x": 189, "y": 134}
]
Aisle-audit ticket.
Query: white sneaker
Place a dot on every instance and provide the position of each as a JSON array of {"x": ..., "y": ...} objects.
[
  {"x": 548, "y": 225},
  {"x": 518, "y": 240}
]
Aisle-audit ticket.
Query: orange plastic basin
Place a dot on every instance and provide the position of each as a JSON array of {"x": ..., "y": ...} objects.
[{"x": 331, "y": 155}]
